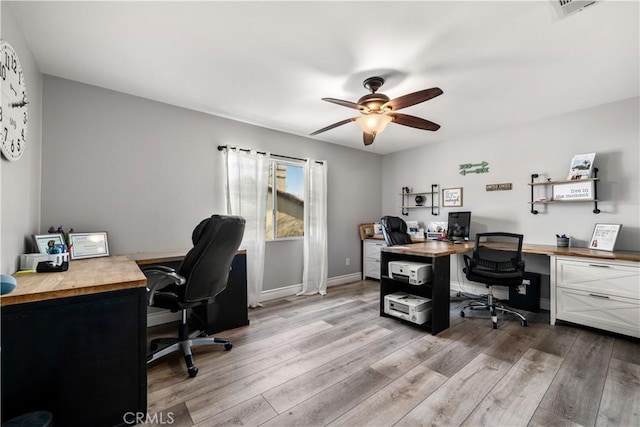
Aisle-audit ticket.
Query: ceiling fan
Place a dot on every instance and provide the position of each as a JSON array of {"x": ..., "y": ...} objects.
[{"x": 378, "y": 110}]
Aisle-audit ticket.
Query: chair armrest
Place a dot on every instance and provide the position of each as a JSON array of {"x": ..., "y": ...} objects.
[{"x": 160, "y": 276}]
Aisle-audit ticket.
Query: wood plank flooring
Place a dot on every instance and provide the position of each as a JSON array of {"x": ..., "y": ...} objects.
[{"x": 333, "y": 361}]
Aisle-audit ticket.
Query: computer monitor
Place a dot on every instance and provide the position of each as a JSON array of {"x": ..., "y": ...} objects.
[{"x": 459, "y": 224}]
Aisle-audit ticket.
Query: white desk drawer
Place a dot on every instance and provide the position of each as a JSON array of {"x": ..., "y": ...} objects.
[
  {"x": 600, "y": 277},
  {"x": 372, "y": 249},
  {"x": 372, "y": 269},
  {"x": 611, "y": 313}
]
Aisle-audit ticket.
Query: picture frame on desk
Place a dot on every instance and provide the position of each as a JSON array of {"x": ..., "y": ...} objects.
[
  {"x": 366, "y": 230},
  {"x": 43, "y": 242},
  {"x": 88, "y": 245},
  {"x": 604, "y": 237}
]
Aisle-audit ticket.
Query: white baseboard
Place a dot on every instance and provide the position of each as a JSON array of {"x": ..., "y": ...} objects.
[
  {"x": 503, "y": 294},
  {"x": 291, "y": 290}
]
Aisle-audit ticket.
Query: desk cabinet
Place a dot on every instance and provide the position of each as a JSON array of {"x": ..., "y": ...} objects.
[
  {"x": 82, "y": 358},
  {"x": 603, "y": 294},
  {"x": 371, "y": 258},
  {"x": 229, "y": 310}
]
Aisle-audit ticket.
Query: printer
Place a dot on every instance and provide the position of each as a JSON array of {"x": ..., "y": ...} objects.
[
  {"x": 409, "y": 307},
  {"x": 414, "y": 273}
]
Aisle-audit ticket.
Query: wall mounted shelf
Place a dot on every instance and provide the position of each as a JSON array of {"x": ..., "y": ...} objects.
[
  {"x": 593, "y": 196},
  {"x": 409, "y": 203}
]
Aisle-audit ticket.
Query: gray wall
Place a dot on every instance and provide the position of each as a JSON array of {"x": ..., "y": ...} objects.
[
  {"x": 20, "y": 180},
  {"x": 147, "y": 172},
  {"x": 544, "y": 147}
]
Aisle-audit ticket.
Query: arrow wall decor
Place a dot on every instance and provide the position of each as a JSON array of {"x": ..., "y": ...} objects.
[{"x": 467, "y": 168}]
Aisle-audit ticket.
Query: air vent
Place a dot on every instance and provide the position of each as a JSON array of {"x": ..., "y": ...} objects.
[{"x": 565, "y": 8}]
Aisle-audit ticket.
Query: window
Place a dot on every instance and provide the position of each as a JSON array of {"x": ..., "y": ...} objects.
[{"x": 285, "y": 211}]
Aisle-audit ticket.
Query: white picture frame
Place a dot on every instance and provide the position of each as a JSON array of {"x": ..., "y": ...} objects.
[
  {"x": 452, "y": 197},
  {"x": 42, "y": 242},
  {"x": 88, "y": 245},
  {"x": 604, "y": 236}
]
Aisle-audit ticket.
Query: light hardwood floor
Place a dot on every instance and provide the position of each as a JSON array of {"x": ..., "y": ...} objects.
[{"x": 333, "y": 361}]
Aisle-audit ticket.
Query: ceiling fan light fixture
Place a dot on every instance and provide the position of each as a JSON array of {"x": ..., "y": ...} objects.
[{"x": 374, "y": 123}]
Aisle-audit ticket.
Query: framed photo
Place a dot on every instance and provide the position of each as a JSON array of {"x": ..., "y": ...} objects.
[
  {"x": 47, "y": 242},
  {"x": 452, "y": 197},
  {"x": 366, "y": 230},
  {"x": 604, "y": 236},
  {"x": 88, "y": 245},
  {"x": 581, "y": 166}
]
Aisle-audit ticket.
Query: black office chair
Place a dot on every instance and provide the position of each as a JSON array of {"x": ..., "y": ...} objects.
[
  {"x": 496, "y": 261},
  {"x": 394, "y": 230},
  {"x": 202, "y": 275}
]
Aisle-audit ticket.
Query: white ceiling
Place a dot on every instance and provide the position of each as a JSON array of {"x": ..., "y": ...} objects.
[{"x": 268, "y": 63}]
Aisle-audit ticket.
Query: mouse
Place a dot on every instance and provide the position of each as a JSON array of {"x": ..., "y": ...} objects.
[{"x": 457, "y": 242}]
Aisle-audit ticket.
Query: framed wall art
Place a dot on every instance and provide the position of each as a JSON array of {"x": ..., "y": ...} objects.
[{"x": 452, "y": 197}]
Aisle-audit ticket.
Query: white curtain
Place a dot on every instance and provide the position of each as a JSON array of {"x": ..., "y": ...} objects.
[
  {"x": 316, "y": 266},
  {"x": 246, "y": 191}
]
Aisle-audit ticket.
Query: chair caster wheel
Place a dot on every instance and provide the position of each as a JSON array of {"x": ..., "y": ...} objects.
[
  {"x": 495, "y": 325},
  {"x": 524, "y": 323},
  {"x": 228, "y": 347},
  {"x": 461, "y": 313},
  {"x": 193, "y": 371}
]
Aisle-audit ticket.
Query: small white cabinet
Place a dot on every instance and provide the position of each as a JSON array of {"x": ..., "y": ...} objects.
[
  {"x": 603, "y": 294},
  {"x": 371, "y": 249}
]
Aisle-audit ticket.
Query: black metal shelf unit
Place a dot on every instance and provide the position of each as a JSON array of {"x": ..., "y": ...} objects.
[
  {"x": 535, "y": 183},
  {"x": 406, "y": 196}
]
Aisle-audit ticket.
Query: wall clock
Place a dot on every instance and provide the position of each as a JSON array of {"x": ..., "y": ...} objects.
[{"x": 13, "y": 108}]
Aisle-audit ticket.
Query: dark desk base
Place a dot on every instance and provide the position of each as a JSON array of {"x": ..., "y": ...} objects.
[
  {"x": 81, "y": 358},
  {"x": 438, "y": 290},
  {"x": 229, "y": 310}
]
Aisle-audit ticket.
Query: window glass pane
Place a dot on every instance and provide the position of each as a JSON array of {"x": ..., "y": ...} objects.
[
  {"x": 288, "y": 205},
  {"x": 289, "y": 182}
]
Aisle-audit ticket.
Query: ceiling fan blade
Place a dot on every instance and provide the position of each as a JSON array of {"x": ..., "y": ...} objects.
[
  {"x": 412, "y": 98},
  {"x": 335, "y": 125},
  {"x": 414, "y": 122},
  {"x": 368, "y": 138},
  {"x": 344, "y": 103}
]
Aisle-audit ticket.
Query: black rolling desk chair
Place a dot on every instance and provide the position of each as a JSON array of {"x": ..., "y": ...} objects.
[
  {"x": 496, "y": 261},
  {"x": 394, "y": 230},
  {"x": 201, "y": 276}
]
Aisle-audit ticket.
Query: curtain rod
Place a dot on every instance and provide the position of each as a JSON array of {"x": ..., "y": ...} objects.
[{"x": 224, "y": 147}]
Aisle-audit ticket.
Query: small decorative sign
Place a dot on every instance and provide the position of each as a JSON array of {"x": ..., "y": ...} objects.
[
  {"x": 467, "y": 168},
  {"x": 452, "y": 197},
  {"x": 573, "y": 191},
  {"x": 499, "y": 187}
]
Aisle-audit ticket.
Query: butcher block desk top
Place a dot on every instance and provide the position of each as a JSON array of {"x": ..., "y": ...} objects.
[
  {"x": 435, "y": 248},
  {"x": 84, "y": 277},
  {"x": 145, "y": 258}
]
